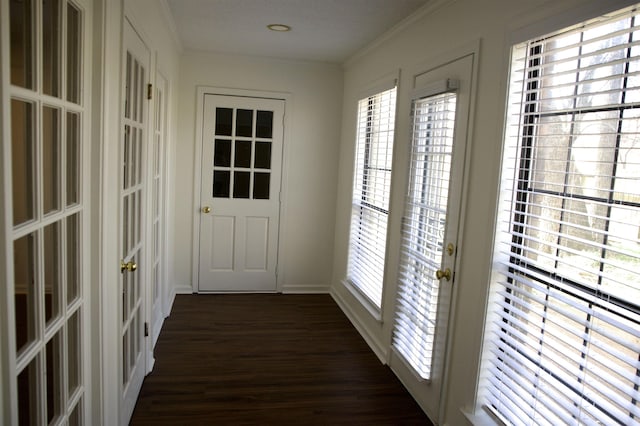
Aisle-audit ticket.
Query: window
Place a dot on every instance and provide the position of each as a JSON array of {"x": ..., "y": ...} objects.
[
  {"x": 564, "y": 340},
  {"x": 371, "y": 189},
  {"x": 433, "y": 120}
]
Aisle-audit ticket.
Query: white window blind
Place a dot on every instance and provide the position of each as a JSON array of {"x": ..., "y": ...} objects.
[
  {"x": 433, "y": 120},
  {"x": 371, "y": 189},
  {"x": 564, "y": 339}
]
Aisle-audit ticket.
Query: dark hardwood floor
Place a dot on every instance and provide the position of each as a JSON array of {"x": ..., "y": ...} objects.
[{"x": 258, "y": 359}]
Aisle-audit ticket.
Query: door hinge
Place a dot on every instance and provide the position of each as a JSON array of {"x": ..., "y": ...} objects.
[
  {"x": 146, "y": 329},
  {"x": 149, "y": 91}
]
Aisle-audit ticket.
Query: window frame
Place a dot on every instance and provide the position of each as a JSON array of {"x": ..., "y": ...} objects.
[
  {"x": 361, "y": 196},
  {"x": 514, "y": 211}
]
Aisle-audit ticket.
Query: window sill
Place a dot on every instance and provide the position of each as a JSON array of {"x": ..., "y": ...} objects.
[
  {"x": 372, "y": 309},
  {"x": 482, "y": 417}
]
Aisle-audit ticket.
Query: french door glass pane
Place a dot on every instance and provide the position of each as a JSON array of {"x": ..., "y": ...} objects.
[
  {"x": 73, "y": 258},
  {"x": 73, "y": 159},
  {"x": 73, "y": 354},
  {"x": 24, "y": 266},
  {"x": 73, "y": 54},
  {"x": 53, "y": 377},
  {"x": 28, "y": 384},
  {"x": 52, "y": 271},
  {"x": 23, "y": 154},
  {"x": 51, "y": 47},
  {"x": 50, "y": 159},
  {"x": 75, "y": 418},
  {"x": 22, "y": 14}
]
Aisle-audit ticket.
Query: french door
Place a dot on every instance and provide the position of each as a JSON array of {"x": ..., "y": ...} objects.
[
  {"x": 240, "y": 193},
  {"x": 45, "y": 353},
  {"x": 430, "y": 236},
  {"x": 133, "y": 226}
]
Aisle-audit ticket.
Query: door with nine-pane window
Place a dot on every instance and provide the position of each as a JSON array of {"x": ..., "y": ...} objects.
[{"x": 240, "y": 193}]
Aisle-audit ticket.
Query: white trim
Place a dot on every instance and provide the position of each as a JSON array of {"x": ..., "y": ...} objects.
[
  {"x": 8, "y": 399},
  {"x": 381, "y": 84},
  {"x": 182, "y": 289},
  {"x": 306, "y": 289},
  {"x": 544, "y": 21},
  {"x": 112, "y": 21},
  {"x": 197, "y": 171},
  {"x": 376, "y": 346},
  {"x": 435, "y": 88}
]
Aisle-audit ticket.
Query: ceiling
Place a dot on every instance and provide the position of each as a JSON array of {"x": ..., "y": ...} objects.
[{"x": 321, "y": 30}]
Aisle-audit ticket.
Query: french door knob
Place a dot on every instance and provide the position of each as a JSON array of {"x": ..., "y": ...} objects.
[
  {"x": 206, "y": 209},
  {"x": 129, "y": 266},
  {"x": 446, "y": 274}
]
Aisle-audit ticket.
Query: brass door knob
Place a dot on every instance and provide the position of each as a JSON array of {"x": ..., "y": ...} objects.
[
  {"x": 446, "y": 274},
  {"x": 129, "y": 266},
  {"x": 206, "y": 209}
]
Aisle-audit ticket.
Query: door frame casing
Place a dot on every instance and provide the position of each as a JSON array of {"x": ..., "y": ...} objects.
[{"x": 201, "y": 91}]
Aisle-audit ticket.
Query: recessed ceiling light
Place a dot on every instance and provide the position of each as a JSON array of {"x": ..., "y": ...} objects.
[{"x": 279, "y": 27}]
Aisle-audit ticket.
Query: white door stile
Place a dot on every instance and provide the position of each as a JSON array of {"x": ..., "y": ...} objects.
[
  {"x": 8, "y": 399},
  {"x": 158, "y": 207},
  {"x": 107, "y": 330}
]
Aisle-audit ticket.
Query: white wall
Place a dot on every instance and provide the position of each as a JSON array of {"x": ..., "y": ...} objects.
[
  {"x": 311, "y": 158},
  {"x": 421, "y": 44}
]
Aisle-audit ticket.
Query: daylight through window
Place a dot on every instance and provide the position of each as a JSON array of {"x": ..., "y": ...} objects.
[
  {"x": 371, "y": 190},
  {"x": 564, "y": 338}
]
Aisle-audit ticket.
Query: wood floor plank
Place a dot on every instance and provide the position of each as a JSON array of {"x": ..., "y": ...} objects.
[{"x": 268, "y": 359}]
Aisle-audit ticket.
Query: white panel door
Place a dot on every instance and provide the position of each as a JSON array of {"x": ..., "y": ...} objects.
[
  {"x": 133, "y": 150},
  {"x": 240, "y": 193}
]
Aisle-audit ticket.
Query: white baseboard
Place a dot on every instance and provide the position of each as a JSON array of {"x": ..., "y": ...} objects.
[
  {"x": 368, "y": 337},
  {"x": 183, "y": 289},
  {"x": 305, "y": 289}
]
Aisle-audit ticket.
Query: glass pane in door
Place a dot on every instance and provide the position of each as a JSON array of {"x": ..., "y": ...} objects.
[
  {"x": 22, "y": 15},
  {"x": 52, "y": 271},
  {"x": 51, "y": 159},
  {"x": 24, "y": 285},
  {"x": 51, "y": 47},
  {"x": 23, "y": 159},
  {"x": 73, "y": 54}
]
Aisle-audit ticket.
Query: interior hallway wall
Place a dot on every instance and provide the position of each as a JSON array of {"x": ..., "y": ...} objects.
[
  {"x": 310, "y": 153},
  {"x": 431, "y": 37}
]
